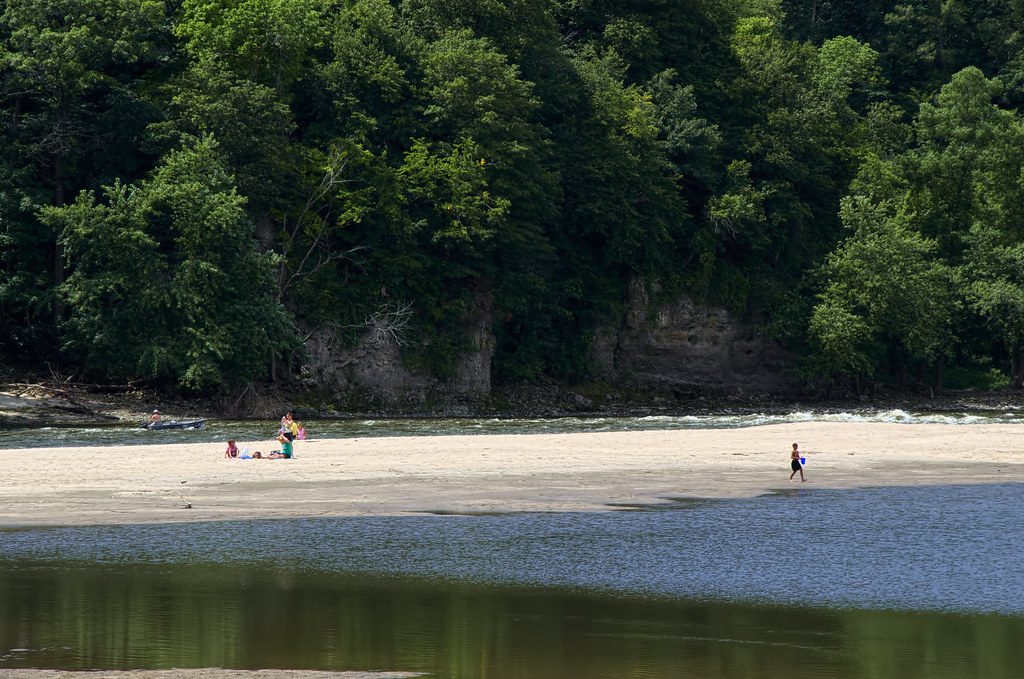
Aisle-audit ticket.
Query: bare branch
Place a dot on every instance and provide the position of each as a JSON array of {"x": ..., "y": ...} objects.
[
  {"x": 322, "y": 261},
  {"x": 319, "y": 201},
  {"x": 390, "y": 323}
]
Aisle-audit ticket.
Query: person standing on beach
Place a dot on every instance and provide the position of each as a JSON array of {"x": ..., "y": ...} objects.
[
  {"x": 288, "y": 427},
  {"x": 795, "y": 463}
]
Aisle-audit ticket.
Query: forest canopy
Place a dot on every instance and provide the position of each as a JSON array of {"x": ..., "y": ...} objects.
[{"x": 189, "y": 188}]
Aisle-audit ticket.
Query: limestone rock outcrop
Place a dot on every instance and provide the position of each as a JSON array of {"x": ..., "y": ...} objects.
[
  {"x": 684, "y": 346},
  {"x": 679, "y": 347}
]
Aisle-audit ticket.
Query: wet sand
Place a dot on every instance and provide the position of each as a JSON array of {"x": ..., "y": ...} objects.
[
  {"x": 205, "y": 673},
  {"x": 484, "y": 474}
]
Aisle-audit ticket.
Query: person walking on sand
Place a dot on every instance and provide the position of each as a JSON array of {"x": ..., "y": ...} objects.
[{"x": 795, "y": 463}]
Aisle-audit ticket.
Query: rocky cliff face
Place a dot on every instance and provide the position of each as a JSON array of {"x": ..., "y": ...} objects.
[
  {"x": 677, "y": 347},
  {"x": 472, "y": 380},
  {"x": 373, "y": 370},
  {"x": 688, "y": 349}
]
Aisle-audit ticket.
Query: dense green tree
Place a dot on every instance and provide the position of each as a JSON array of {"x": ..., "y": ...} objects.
[
  {"x": 249, "y": 121},
  {"x": 885, "y": 292},
  {"x": 994, "y": 281},
  {"x": 952, "y": 200},
  {"x": 530, "y": 158},
  {"x": 775, "y": 212},
  {"x": 25, "y": 268},
  {"x": 69, "y": 77},
  {"x": 166, "y": 282},
  {"x": 265, "y": 41}
]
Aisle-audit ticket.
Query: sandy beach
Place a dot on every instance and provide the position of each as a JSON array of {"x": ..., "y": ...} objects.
[{"x": 483, "y": 474}]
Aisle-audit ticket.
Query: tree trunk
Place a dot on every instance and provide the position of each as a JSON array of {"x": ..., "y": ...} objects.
[
  {"x": 15, "y": 113},
  {"x": 939, "y": 370},
  {"x": 1017, "y": 368},
  {"x": 903, "y": 375},
  {"x": 58, "y": 249}
]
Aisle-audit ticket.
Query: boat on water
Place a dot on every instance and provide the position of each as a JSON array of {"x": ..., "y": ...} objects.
[{"x": 175, "y": 424}]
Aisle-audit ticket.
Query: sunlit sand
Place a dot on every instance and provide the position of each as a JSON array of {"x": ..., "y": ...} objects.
[{"x": 483, "y": 474}]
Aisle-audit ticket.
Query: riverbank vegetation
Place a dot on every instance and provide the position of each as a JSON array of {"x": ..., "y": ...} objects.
[{"x": 190, "y": 187}]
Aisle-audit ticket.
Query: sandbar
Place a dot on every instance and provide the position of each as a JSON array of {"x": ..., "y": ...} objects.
[{"x": 474, "y": 474}]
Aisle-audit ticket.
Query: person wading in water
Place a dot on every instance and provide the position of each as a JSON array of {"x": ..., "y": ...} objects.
[{"x": 795, "y": 464}]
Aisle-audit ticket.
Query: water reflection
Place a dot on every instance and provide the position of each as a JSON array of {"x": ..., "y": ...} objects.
[
  {"x": 812, "y": 583},
  {"x": 260, "y": 615}
]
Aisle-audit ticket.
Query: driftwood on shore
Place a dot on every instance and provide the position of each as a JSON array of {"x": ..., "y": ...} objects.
[
  {"x": 35, "y": 403},
  {"x": 90, "y": 388}
]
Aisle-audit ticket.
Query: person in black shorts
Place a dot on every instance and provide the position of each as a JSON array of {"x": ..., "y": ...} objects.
[
  {"x": 288, "y": 427},
  {"x": 795, "y": 463}
]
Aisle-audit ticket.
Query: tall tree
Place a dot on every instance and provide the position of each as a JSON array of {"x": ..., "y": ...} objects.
[
  {"x": 167, "y": 284},
  {"x": 885, "y": 290},
  {"x": 68, "y": 72}
]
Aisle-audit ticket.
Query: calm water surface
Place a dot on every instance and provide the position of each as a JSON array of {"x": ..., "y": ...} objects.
[
  {"x": 252, "y": 430},
  {"x": 908, "y": 582}
]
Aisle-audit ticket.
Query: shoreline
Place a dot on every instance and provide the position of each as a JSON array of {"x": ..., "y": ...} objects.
[
  {"x": 35, "y": 402},
  {"x": 201, "y": 673},
  {"x": 484, "y": 473}
]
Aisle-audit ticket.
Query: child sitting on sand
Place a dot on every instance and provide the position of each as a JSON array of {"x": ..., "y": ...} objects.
[
  {"x": 232, "y": 451},
  {"x": 286, "y": 449},
  {"x": 301, "y": 433}
]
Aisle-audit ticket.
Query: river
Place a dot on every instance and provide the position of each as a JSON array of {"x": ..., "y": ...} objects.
[
  {"x": 877, "y": 582},
  {"x": 254, "y": 430}
]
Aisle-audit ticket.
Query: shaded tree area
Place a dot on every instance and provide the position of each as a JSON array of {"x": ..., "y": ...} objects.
[
  {"x": 931, "y": 270},
  {"x": 191, "y": 187}
]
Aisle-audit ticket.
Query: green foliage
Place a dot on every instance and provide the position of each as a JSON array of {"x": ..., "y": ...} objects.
[
  {"x": 24, "y": 281},
  {"x": 249, "y": 121},
  {"x": 451, "y": 191},
  {"x": 265, "y": 41},
  {"x": 68, "y": 68},
  {"x": 946, "y": 209},
  {"x": 884, "y": 289},
  {"x": 976, "y": 377},
  {"x": 528, "y": 156},
  {"x": 167, "y": 283}
]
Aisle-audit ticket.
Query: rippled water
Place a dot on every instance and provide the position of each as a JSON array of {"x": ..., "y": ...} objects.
[
  {"x": 875, "y": 582},
  {"x": 248, "y": 430},
  {"x": 943, "y": 548},
  {"x": 812, "y": 583}
]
